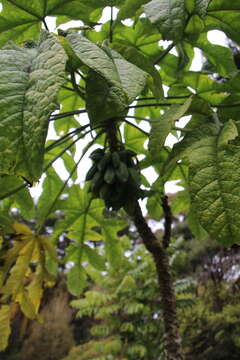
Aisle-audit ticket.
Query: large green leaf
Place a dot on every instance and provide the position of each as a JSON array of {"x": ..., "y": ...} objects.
[
  {"x": 226, "y": 67},
  {"x": 94, "y": 258},
  {"x": 169, "y": 16},
  {"x": 93, "y": 56},
  {"x": 29, "y": 83},
  {"x": 112, "y": 83},
  {"x": 200, "y": 125},
  {"x": 21, "y": 19},
  {"x": 214, "y": 183},
  {"x": 133, "y": 55},
  {"x": 84, "y": 221},
  {"x": 134, "y": 139},
  {"x": 48, "y": 200},
  {"x": 76, "y": 280},
  {"x": 206, "y": 88},
  {"x": 162, "y": 127},
  {"x": 110, "y": 65},
  {"x": 129, "y": 8},
  {"x": 224, "y": 15},
  {"x": 132, "y": 78},
  {"x": 103, "y": 100},
  {"x": 197, "y": 6}
]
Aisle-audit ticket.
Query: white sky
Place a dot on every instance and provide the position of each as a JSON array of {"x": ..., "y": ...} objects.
[{"x": 215, "y": 37}]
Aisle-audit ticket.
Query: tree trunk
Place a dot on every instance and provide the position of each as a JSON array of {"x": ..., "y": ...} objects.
[{"x": 171, "y": 337}]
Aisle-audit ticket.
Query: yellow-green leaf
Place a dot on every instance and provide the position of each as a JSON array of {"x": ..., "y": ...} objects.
[{"x": 4, "y": 326}]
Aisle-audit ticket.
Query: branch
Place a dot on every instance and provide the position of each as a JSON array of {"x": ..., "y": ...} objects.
[
  {"x": 167, "y": 222},
  {"x": 226, "y": 106},
  {"x": 66, "y": 137},
  {"x": 167, "y": 97},
  {"x": 67, "y": 88},
  {"x": 69, "y": 113},
  {"x": 45, "y": 24},
  {"x": 164, "y": 53},
  {"x": 111, "y": 26},
  {"x": 154, "y": 104}
]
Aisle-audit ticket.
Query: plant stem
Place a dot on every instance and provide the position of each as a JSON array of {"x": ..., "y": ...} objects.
[
  {"x": 66, "y": 137},
  {"x": 69, "y": 113},
  {"x": 164, "y": 53},
  {"x": 12, "y": 192},
  {"x": 168, "y": 300},
  {"x": 154, "y": 104},
  {"x": 111, "y": 26},
  {"x": 168, "y": 222},
  {"x": 166, "y": 98},
  {"x": 45, "y": 24}
]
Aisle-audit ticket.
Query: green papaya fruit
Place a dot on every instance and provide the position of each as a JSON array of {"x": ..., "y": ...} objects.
[
  {"x": 97, "y": 155},
  {"x": 115, "y": 159},
  {"x": 103, "y": 163},
  {"x": 134, "y": 175},
  {"x": 122, "y": 172},
  {"x": 104, "y": 191},
  {"x": 97, "y": 182},
  {"x": 109, "y": 175},
  {"x": 91, "y": 172}
]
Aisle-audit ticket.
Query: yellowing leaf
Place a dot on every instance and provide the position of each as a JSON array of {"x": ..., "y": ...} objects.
[
  {"x": 49, "y": 248},
  {"x": 35, "y": 289},
  {"x": 26, "y": 305},
  {"x": 18, "y": 273},
  {"x": 4, "y": 326},
  {"x": 22, "y": 229}
]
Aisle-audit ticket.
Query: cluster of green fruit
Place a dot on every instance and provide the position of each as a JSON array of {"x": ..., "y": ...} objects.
[{"x": 114, "y": 177}]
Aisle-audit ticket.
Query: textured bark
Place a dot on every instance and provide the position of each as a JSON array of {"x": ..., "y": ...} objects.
[{"x": 172, "y": 338}]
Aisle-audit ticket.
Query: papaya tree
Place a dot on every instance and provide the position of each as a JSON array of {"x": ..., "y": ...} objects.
[{"x": 122, "y": 86}]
